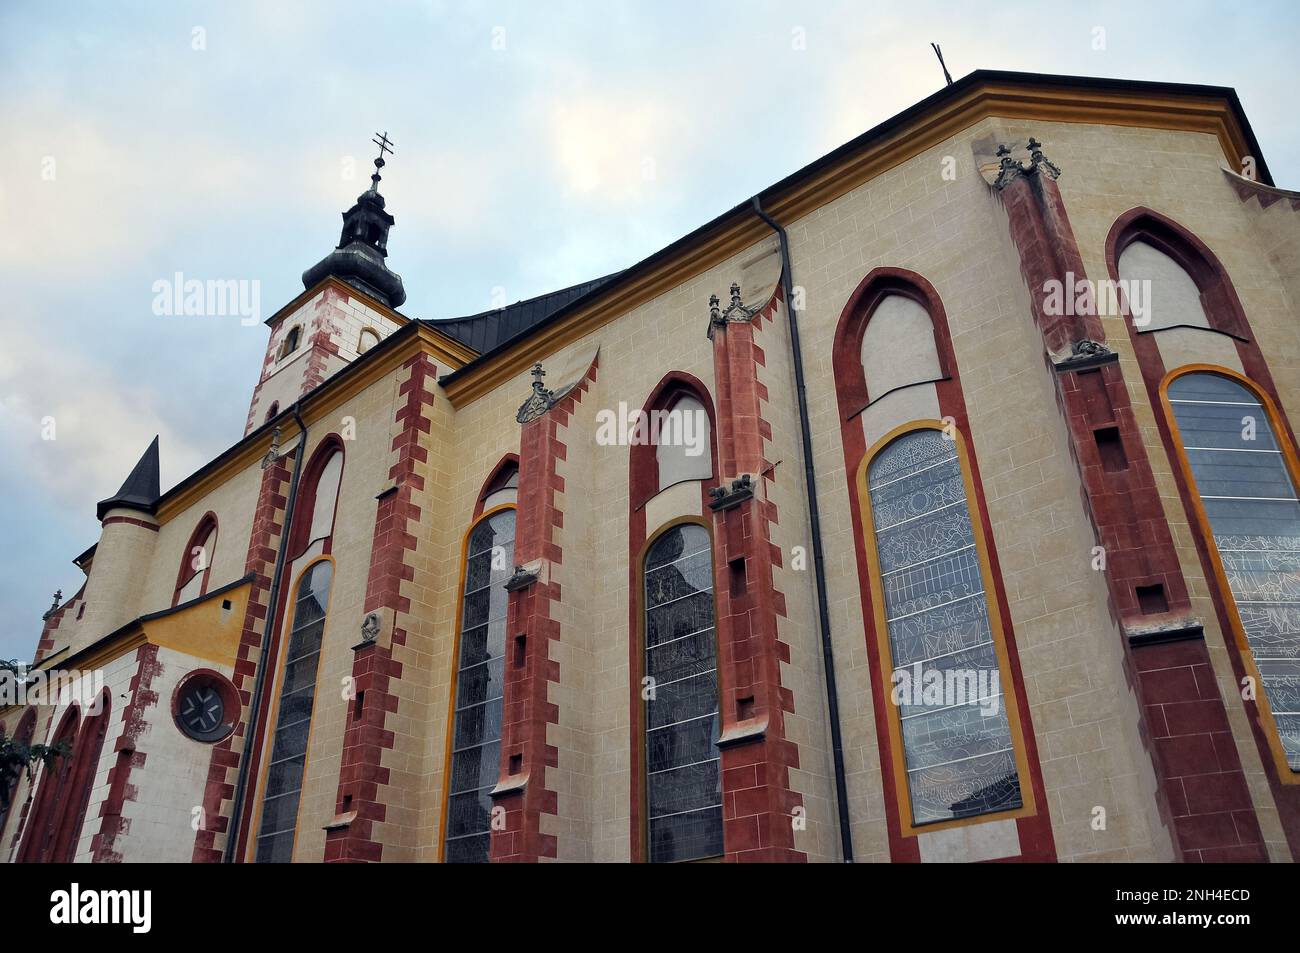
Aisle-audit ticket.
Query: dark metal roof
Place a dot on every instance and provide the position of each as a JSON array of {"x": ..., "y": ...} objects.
[
  {"x": 141, "y": 489},
  {"x": 490, "y": 329}
]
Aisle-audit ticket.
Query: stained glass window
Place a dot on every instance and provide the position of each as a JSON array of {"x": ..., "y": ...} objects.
[
  {"x": 683, "y": 776},
  {"x": 1250, "y": 502},
  {"x": 480, "y": 673},
  {"x": 947, "y": 684},
  {"x": 293, "y": 717}
]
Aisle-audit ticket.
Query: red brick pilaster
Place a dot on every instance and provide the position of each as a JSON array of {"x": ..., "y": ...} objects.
[
  {"x": 758, "y": 806},
  {"x": 522, "y": 792},
  {"x": 362, "y": 775},
  {"x": 103, "y": 845},
  {"x": 268, "y": 519},
  {"x": 322, "y": 344},
  {"x": 1148, "y": 593}
]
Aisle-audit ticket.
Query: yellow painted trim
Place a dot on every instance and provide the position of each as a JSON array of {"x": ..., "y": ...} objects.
[
  {"x": 1286, "y": 774},
  {"x": 639, "y": 601},
  {"x": 1207, "y": 115},
  {"x": 273, "y": 715},
  {"x": 884, "y": 653},
  {"x": 455, "y": 672}
]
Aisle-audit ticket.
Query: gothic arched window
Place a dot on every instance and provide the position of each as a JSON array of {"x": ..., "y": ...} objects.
[
  {"x": 293, "y": 713},
  {"x": 475, "y": 762},
  {"x": 939, "y": 633},
  {"x": 683, "y": 776},
  {"x": 1241, "y": 470},
  {"x": 196, "y": 561},
  {"x": 52, "y": 794}
]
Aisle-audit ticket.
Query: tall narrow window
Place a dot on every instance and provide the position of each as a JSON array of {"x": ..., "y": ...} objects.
[
  {"x": 1240, "y": 474},
  {"x": 683, "y": 776},
  {"x": 293, "y": 717},
  {"x": 51, "y": 794},
  {"x": 941, "y": 648},
  {"x": 480, "y": 676}
]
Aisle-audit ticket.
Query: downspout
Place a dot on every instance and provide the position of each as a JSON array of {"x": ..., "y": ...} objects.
[
  {"x": 814, "y": 516},
  {"x": 259, "y": 683}
]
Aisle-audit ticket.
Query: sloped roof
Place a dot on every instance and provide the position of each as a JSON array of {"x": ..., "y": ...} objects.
[
  {"x": 490, "y": 329},
  {"x": 141, "y": 489}
]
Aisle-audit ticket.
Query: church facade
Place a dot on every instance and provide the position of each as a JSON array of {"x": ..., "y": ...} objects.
[{"x": 936, "y": 504}]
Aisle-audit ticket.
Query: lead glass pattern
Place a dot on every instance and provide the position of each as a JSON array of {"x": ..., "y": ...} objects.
[
  {"x": 1241, "y": 476},
  {"x": 957, "y": 746},
  {"x": 480, "y": 674},
  {"x": 683, "y": 776},
  {"x": 293, "y": 718}
]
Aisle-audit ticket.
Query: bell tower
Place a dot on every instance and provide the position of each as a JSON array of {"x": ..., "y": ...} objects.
[{"x": 348, "y": 306}]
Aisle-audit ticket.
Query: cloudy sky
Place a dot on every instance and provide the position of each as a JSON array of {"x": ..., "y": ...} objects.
[{"x": 537, "y": 145}]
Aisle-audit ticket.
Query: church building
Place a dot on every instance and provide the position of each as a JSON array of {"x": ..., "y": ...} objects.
[{"x": 936, "y": 503}]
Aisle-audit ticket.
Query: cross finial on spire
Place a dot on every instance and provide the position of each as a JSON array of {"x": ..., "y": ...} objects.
[{"x": 385, "y": 145}]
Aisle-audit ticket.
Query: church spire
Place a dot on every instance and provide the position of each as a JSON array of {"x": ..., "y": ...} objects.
[
  {"x": 141, "y": 489},
  {"x": 359, "y": 256}
]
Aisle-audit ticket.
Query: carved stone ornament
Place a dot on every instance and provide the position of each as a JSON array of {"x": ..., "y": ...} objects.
[
  {"x": 724, "y": 498},
  {"x": 370, "y": 627},
  {"x": 736, "y": 312},
  {"x": 1010, "y": 169},
  {"x": 539, "y": 401},
  {"x": 1086, "y": 348}
]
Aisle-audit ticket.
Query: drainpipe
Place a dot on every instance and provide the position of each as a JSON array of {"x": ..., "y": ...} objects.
[
  {"x": 259, "y": 684},
  {"x": 814, "y": 515}
]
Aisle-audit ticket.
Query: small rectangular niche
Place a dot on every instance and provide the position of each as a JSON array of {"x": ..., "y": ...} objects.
[
  {"x": 1151, "y": 599},
  {"x": 1110, "y": 447},
  {"x": 739, "y": 584}
]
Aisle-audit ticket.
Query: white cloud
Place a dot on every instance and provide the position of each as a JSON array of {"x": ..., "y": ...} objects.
[
  {"x": 101, "y": 425},
  {"x": 89, "y": 195}
]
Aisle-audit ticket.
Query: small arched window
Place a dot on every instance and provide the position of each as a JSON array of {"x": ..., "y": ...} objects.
[
  {"x": 196, "y": 561},
  {"x": 366, "y": 340},
  {"x": 290, "y": 342},
  {"x": 475, "y": 762},
  {"x": 288, "y": 764},
  {"x": 1241, "y": 469},
  {"x": 683, "y": 441},
  {"x": 683, "y": 777},
  {"x": 939, "y": 635},
  {"x": 272, "y": 411}
]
